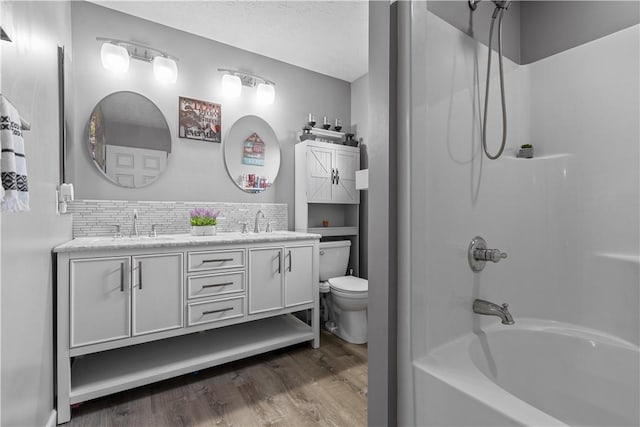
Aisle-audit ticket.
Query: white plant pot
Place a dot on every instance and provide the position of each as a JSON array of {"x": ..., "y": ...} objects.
[{"x": 203, "y": 230}]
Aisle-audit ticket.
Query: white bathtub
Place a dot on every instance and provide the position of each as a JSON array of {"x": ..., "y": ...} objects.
[{"x": 536, "y": 373}]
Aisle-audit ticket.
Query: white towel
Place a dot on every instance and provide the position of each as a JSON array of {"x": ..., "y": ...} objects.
[{"x": 13, "y": 165}]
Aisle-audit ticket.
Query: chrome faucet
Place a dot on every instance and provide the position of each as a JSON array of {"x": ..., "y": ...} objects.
[
  {"x": 134, "y": 227},
  {"x": 481, "y": 306},
  {"x": 256, "y": 228}
]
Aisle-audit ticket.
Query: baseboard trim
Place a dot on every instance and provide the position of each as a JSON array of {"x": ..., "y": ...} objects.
[{"x": 51, "y": 422}]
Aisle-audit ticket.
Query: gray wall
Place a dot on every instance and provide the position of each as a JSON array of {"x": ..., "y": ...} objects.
[
  {"x": 359, "y": 125},
  {"x": 534, "y": 30},
  {"x": 196, "y": 169},
  {"x": 382, "y": 215},
  {"x": 477, "y": 24},
  {"x": 29, "y": 79},
  {"x": 550, "y": 27}
]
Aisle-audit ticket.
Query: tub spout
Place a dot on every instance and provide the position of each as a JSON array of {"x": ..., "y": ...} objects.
[{"x": 481, "y": 306}]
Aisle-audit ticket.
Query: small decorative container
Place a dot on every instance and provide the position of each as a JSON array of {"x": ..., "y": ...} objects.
[
  {"x": 203, "y": 222},
  {"x": 203, "y": 230},
  {"x": 525, "y": 152}
]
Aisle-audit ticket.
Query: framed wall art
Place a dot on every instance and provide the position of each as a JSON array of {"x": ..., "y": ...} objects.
[{"x": 199, "y": 120}]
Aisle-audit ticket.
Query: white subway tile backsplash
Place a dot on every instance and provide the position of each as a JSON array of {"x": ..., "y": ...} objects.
[{"x": 99, "y": 217}]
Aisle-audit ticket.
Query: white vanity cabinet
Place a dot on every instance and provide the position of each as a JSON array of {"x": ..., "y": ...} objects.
[
  {"x": 131, "y": 312},
  {"x": 280, "y": 277},
  {"x": 100, "y": 300},
  {"x": 298, "y": 268},
  {"x": 265, "y": 280},
  {"x": 120, "y": 297},
  {"x": 157, "y": 293}
]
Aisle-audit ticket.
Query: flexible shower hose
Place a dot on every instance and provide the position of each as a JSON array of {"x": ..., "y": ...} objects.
[{"x": 486, "y": 96}]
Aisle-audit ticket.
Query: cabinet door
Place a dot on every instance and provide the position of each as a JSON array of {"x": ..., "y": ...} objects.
[
  {"x": 265, "y": 280},
  {"x": 319, "y": 174},
  {"x": 157, "y": 293},
  {"x": 346, "y": 164},
  {"x": 298, "y": 275},
  {"x": 100, "y": 300}
]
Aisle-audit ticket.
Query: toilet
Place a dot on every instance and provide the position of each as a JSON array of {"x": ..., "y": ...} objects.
[{"x": 347, "y": 296}]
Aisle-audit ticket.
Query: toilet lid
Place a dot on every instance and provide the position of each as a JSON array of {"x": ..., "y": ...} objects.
[{"x": 349, "y": 284}]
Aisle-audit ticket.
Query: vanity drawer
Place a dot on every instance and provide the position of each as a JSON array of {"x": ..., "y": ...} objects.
[
  {"x": 215, "y": 260},
  {"x": 215, "y": 284},
  {"x": 214, "y": 311}
]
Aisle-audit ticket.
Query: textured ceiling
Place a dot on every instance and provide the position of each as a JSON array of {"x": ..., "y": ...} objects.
[{"x": 329, "y": 37}]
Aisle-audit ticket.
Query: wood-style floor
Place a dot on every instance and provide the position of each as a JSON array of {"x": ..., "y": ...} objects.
[{"x": 296, "y": 386}]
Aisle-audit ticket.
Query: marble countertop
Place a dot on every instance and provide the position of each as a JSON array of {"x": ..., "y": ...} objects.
[{"x": 176, "y": 240}]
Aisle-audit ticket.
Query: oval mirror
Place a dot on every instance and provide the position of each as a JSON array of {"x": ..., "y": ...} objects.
[
  {"x": 129, "y": 139},
  {"x": 252, "y": 154}
]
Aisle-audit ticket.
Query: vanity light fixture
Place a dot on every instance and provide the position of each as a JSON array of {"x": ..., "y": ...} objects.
[
  {"x": 233, "y": 80},
  {"x": 115, "y": 56}
]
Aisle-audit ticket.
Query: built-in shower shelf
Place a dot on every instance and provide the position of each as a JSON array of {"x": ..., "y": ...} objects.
[
  {"x": 543, "y": 157},
  {"x": 627, "y": 258}
]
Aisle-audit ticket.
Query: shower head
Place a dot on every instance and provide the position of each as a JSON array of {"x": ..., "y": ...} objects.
[
  {"x": 473, "y": 4},
  {"x": 502, "y": 4},
  {"x": 501, "y": 7}
]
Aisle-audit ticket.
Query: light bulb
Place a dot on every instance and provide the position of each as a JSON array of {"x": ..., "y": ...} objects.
[
  {"x": 265, "y": 93},
  {"x": 165, "y": 69},
  {"x": 114, "y": 58},
  {"x": 231, "y": 86}
]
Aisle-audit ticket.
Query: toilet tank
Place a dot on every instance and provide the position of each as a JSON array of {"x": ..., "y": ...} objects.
[{"x": 334, "y": 259}]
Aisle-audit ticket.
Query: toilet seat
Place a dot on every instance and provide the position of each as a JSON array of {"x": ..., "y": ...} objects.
[{"x": 349, "y": 285}]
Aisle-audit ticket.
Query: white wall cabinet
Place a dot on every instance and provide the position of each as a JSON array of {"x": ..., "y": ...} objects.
[
  {"x": 144, "y": 314},
  {"x": 326, "y": 199},
  {"x": 330, "y": 173}
]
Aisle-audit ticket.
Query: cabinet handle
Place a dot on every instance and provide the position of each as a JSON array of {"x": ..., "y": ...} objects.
[
  {"x": 337, "y": 176},
  {"x": 122, "y": 277},
  {"x": 204, "y": 261},
  {"x": 140, "y": 275},
  {"x": 220, "y": 310},
  {"x": 213, "y": 285},
  {"x": 279, "y": 263},
  {"x": 333, "y": 176},
  {"x": 290, "y": 261}
]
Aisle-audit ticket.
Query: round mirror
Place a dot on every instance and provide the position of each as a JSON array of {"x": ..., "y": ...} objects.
[
  {"x": 252, "y": 154},
  {"x": 129, "y": 139}
]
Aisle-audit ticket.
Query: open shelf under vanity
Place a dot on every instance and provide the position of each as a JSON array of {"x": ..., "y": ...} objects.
[{"x": 112, "y": 371}]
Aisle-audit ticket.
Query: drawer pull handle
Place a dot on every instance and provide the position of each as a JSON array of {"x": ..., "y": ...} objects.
[
  {"x": 213, "y": 285},
  {"x": 290, "y": 262},
  {"x": 220, "y": 310},
  {"x": 140, "y": 275},
  {"x": 204, "y": 261},
  {"x": 122, "y": 277}
]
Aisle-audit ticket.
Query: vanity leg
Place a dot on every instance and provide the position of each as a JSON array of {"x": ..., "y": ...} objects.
[
  {"x": 315, "y": 324},
  {"x": 63, "y": 361}
]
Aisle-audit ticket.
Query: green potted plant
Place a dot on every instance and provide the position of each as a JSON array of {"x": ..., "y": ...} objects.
[{"x": 203, "y": 221}]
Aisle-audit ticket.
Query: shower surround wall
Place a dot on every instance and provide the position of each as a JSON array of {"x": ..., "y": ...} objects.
[{"x": 567, "y": 218}]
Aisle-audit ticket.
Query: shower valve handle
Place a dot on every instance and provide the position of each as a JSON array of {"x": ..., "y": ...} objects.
[
  {"x": 478, "y": 254},
  {"x": 493, "y": 255}
]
